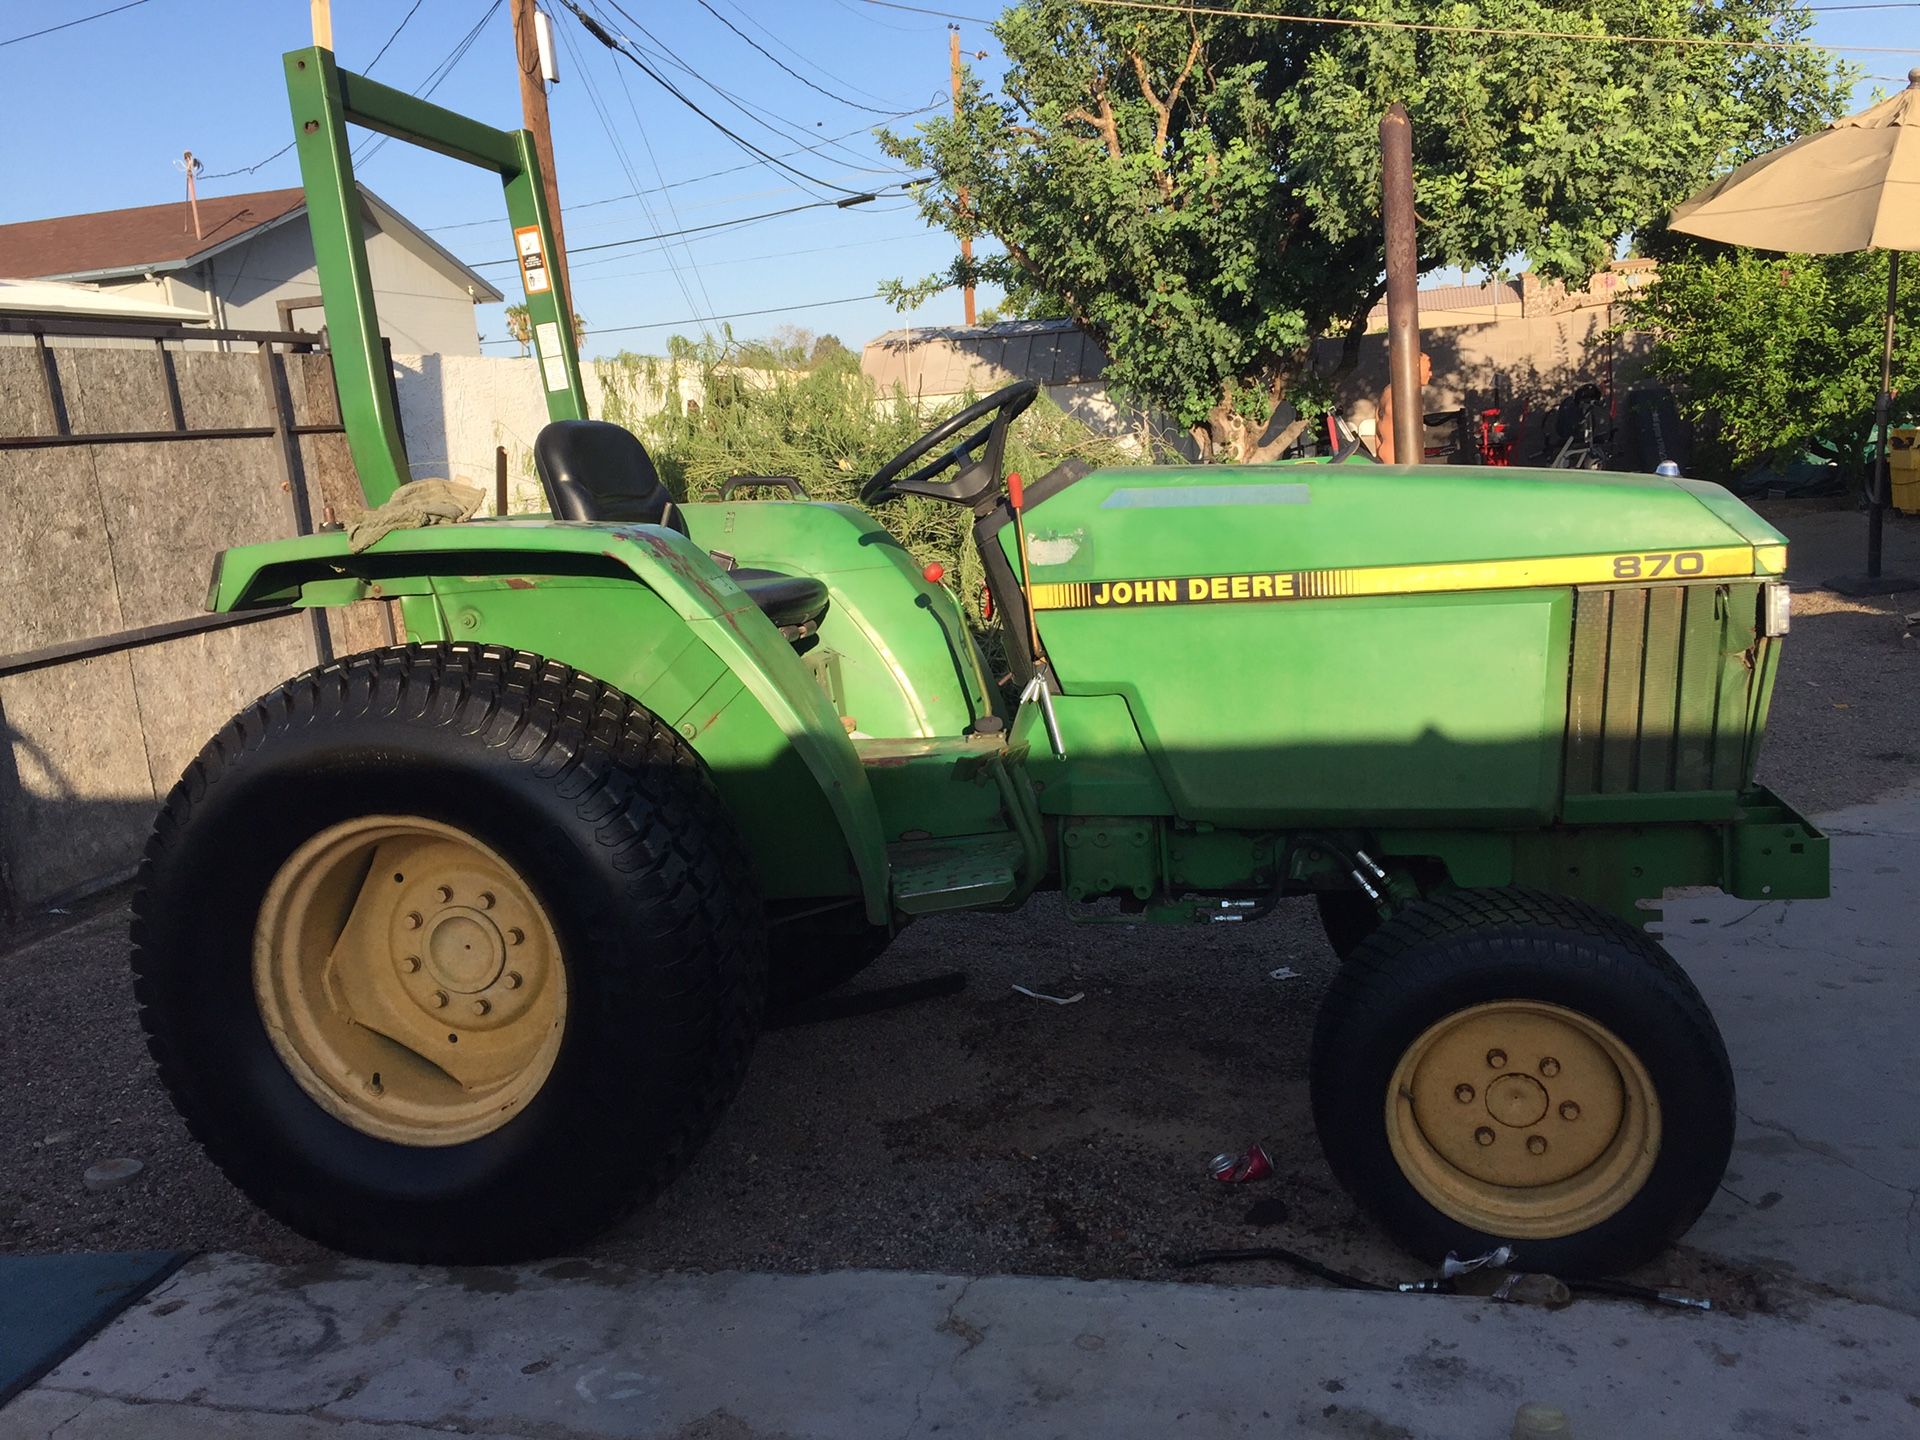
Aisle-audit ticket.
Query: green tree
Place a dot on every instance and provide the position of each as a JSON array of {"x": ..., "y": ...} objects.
[
  {"x": 518, "y": 326},
  {"x": 1200, "y": 192},
  {"x": 1776, "y": 353}
]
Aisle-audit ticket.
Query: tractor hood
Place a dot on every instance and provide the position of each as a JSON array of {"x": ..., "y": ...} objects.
[
  {"x": 1426, "y": 645},
  {"x": 1305, "y": 531}
]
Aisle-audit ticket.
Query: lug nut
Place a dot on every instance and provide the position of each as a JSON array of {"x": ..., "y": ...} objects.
[
  {"x": 1463, "y": 1093},
  {"x": 439, "y": 999},
  {"x": 1497, "y": 1059},
  {"x": 1536, "y": 1145},
  {"x": 1483, "y": 1135},
  {"x": 413, "y": 920},
  {"x": 481, "y": 1007},
  {"x": 445, "y": 892},
  {"x": 486, "y": 900},
  {"x": 1569, "y": 1110},
  {"x": 411, "y": 964},
  {"x": 513, "y": 980},
  {"x": 1549, "y": 1067},
  {"x": 515, "y": 937}
]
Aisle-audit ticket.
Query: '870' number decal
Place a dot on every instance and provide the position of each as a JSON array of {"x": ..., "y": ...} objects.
[{"x": 1658, "y": 562}]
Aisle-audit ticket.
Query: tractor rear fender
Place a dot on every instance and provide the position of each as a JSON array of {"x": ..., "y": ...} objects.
[{"x": 641, "y": 608}]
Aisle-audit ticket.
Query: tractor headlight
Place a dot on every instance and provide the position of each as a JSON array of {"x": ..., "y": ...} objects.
[{"x": 1776, "y": 608}]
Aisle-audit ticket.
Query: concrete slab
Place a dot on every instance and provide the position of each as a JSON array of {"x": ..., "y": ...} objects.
[
  {"x": 1819, "y": 1001},
  {"x": 577, "y": 1349}
]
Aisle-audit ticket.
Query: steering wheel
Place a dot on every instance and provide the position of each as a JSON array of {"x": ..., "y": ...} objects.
[{"x": 979, "y": 475}]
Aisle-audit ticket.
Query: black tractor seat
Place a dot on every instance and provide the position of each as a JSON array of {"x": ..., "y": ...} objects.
[{"x": 592, "y": 470}]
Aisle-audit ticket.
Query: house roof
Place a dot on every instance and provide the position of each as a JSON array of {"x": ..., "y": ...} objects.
[
  {"x": 146, "y": 237},
  {"x": 156, "y": 238}
]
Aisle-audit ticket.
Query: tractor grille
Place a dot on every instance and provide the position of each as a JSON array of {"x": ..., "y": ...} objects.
[{"x": 1668, "y": 688}]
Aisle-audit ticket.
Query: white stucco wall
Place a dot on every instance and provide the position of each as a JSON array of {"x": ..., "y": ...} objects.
[{"x": 456, "y": 409}]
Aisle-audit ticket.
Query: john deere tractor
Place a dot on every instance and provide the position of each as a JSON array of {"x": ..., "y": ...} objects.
[{"x": 455, "y": 950}]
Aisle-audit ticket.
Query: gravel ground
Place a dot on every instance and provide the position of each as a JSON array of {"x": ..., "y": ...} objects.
[{"x": 985, "y": 1132}]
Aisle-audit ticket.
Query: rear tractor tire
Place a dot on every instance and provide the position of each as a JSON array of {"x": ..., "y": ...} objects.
[
  {"x": 1498, "y": 1066},
  {"x": 448, "y": 954}
]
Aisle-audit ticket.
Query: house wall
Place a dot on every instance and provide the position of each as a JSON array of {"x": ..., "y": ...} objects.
[{"x": 423, "y": 310}]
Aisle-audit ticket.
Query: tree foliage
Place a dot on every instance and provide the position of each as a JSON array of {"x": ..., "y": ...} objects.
[
  {"x": 1777, "y": 354},
  {"x": 1200, "y": 192}
]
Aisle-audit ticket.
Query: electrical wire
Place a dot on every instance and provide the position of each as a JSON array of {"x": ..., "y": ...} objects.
[
  {"x": 766, "y": 119},
  {"x": 767, "y": 255},
  {"x": 736, "y": 315},
  {"x": 393, "y": 37},
  {"x": 691, "y": 229},
  {"x": 1423, "y": 27},
  {"x": 461, "y": 49},
  {"x": 811, "y": 64},
  {"x": 1708, "y": 42},
  {"x": 841, "y": 99},
  {"x": 438, "y": 76},
  {"x": 630, "y": 53},
  {"x": 626, "y": 166},
  {"x": 572, "y": 206},
  {"x": 68, "y": 25}
]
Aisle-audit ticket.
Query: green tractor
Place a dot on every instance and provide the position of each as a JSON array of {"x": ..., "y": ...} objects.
[{"x": 455, "y": 951}]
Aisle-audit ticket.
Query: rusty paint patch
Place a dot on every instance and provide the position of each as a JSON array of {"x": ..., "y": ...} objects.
[{"x": 520, "y": 582}]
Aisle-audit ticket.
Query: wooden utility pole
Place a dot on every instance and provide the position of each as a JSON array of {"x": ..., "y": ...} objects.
[
  {"x": 966, "y": 242},
  {"x": 1403, "y": 286},
  {"x": 533, "y": 111}
]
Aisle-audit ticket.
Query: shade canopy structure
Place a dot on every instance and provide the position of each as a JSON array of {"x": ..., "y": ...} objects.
[{"x": 1853, "y": 186}]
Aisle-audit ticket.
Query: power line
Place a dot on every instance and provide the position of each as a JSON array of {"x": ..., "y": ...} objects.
[
  {"x": 809, "y": 62},
  {"x": 626, "y": 165},
  {"x": 841, "y": 99},
  {"x": 600, "y": 33},
  {"x": 460, "y": 51},
  {"x": 68, "y": 25},
  {"x": 1707, "y": 42},
  {"x": 391, "y": 38},
  {"x": 695, "y": 229},
  {"x": 1428, "y": 28},
  {"x": 736, "y": 315},
  {"x": 671, "y": 184},
  {"x": 767, "y": 255},
  {"x": 439, "y": 75}
]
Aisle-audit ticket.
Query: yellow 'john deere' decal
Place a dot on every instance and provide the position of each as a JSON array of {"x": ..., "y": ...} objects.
[{"x": 1635, "y": 566}]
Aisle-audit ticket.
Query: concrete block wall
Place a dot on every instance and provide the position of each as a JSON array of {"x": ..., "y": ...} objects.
[{"x": 96, "y": 540}]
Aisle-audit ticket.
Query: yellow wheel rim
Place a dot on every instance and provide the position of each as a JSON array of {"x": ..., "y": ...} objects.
[
  {"x": 409, "y": 979},
  {"x": 1524, "y": 1120}
]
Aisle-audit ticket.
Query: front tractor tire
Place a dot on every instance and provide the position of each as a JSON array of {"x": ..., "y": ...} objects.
[
  {"x": 448, "y": 954},
  {"x": 1497, "y": 1066}
]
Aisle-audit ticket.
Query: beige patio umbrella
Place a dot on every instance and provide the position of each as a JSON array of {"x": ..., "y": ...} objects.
[{"x": 1852, "y": 186}]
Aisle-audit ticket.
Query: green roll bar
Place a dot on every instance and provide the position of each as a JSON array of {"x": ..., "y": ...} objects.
[{"x": 325, "y": 100}]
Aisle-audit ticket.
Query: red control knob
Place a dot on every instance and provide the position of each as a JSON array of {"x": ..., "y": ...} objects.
[{"x": 935, "y": 572}]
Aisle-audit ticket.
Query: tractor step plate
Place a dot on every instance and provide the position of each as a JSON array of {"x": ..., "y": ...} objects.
[{"x": 954, "y": 873}]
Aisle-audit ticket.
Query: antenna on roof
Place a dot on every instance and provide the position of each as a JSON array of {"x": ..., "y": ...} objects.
[{"x": 192, "y": 167}]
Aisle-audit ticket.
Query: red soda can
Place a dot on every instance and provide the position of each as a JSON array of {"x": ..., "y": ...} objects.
[{"x": 1229, "y": 1169}]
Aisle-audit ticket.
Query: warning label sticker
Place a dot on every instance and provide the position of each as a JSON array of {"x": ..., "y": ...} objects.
[{"x": 534, "y": 274}]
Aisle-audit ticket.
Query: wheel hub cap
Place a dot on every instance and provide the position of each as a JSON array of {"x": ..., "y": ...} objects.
[
  {"x": 409, "y": 979},
  {"x": 1523, "y": 1119}
]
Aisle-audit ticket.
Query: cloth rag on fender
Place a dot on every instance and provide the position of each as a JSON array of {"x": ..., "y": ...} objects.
[{"x": 417, "y": 503}]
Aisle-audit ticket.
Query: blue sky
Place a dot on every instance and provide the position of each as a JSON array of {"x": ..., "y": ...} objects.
[{"x": 97, "y": 115}]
